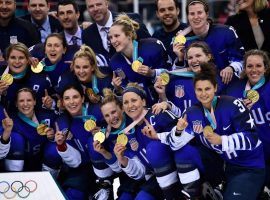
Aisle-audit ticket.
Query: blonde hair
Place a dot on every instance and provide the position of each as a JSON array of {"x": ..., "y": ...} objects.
[
  {"x": 19, "y": 47},
  {"x": 129, "y": 26},
  {"x": 86, "y": 51},
  {"x": 259, "y": 5},
  {"x": 109, "y": 97}
]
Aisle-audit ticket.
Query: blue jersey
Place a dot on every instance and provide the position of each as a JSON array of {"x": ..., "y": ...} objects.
[
  {"x": 78, "y": 136},
  {"x": 138, "y": 142},
  {"x": 180, "y": 91},
  {"x": 154, "y": 56},
  {"x": 60, "y": 68},
  {"x": 240, "y": 145},
  {"x": 225, "y": 46},
  {"x": 28, "y": 145},
  {"x": 37, "y": 82},
  {"x": 260, "y": 110}
]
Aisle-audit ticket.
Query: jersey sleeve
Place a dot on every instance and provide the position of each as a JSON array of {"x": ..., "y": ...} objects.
[
  {"x": 4, "y": 148},
  {"x": 71, "y": 156},
  {"x": 245, "y": 136}
]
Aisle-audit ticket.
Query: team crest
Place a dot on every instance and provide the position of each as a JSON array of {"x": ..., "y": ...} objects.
[
  {"x": 197, "y": 126},
  {"x": 13, "y": 39},
  {"x": 134, "y": 144},
  {"x": 179, "y": 91},
  {"x": 119, "y": 72}
]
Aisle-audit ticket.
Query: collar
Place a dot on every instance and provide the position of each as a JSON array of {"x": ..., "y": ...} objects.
[
  {"x": 78, "y": 34},
  {"x": 108, "y": 23},
  {"x": 45, "y": 25}
]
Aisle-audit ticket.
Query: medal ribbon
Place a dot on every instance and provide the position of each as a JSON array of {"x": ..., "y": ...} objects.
[
  {"x": 134, "y": 123},
  {"x": 94, "y": 84},
  {"x": 210, "y": 115},
  {"x": 181, "y": 73},
  {"x": 19, "y": 75},
  {"x": 48, "y": 68},
  {"x": 259, "y": 84},
  {"x": 28, "y": 121},
  {"x": 85, "y": 116}
]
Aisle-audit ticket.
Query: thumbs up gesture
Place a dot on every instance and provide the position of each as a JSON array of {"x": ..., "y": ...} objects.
[
  {"x": 7, "y": 124},
  {"x": 182, "y": 123},
  {"x": 47, "y": 100}
]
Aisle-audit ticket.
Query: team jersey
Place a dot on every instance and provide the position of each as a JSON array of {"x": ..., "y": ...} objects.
[
  {"x": 260, "y": 110},
  {"x": 74, "y": 126},
  {"x": 56, "y": 70},
  {"x": 32, "y": 143},
  {"x": 225, "y": 46},
  {"x": 180, "y": 92},
  {"x": 154, "y": 56},
  {"x": 37, "y": 82},
  {"x": 240, "y": 143},
  {"x": 137, "y": 142}
]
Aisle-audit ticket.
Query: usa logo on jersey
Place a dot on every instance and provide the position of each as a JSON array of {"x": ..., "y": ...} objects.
[
  {"x": 197, "y": 126},
  {"x": 134, "y": 144},
  {"x": 179, "y": 91}
]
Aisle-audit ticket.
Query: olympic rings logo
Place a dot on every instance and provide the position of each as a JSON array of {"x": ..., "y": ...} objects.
[{"x": 17, "y": 188}]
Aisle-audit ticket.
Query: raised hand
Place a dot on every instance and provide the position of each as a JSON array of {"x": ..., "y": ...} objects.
[
  {"x": 149, "y": 131},
  {"x": 47, "y": 100},
  {"x": 60, "y": 137},
  {"x": 182, "y": 123},
  {"x": 117, "y": 81},
  {"x": 7, "y": 124},
  {"x": 226, "y": 75}
]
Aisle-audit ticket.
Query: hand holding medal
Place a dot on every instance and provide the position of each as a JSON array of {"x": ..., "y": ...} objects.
[
  {"x": 180, "y": 39},
  {"x": 99, "y": 136},
  {"x": 207, "y": 130},
  {"x": 253, "y": 95},
  {"x": 89, "y": 125},
  {"x": 122, "y": 139},
  {"x": 136, "y": 64},
  {"x": 37, "y": 68},
  {"x": 165, "y": 78},
  {"x": 7, "y": 78},
  {"x": 41, "y": 129},
  {"x": 211, "y": 136}
]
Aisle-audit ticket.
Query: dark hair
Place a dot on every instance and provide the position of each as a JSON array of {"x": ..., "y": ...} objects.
[
  {"x": 74, "y": 86},
  {"x": 59, "y": 36},
  {"x": 176, "y": 3},
  {"x": 109, "y": 97},
  {"x": 67, "y": 2},
  {"x": 25, "y": 89},
  {"x": 256, "y": 52},
  {"x": 192, "y": 2},
  {"x": 208, "y": 72},
  {"x": 204, "y": 46}
]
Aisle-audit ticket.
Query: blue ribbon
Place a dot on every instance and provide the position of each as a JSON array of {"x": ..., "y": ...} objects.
[
  {"x": 28, "y": 120},
  {"x": 48, "y": 68},
  {"x": 94, "y": 84},
  {"x": 19, "y": 75},
  {"x": 208, "y": 114},
  {"x": 259, "y": 84},
  {"x": 85, "y": 116}
]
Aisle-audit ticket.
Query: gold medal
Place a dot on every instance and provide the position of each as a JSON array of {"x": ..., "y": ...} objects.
[
  {"x": 207, "y": 130},
  {"x": 253, "y": 95},
  {"x": 165, "y": 78},
  {"x": 90, "y": 92},
  {"x": 38, "y": 68},
  {"x": 7, "y": 78},
  {"x": 122, "y": 139},
  {"x": 135, "y": 65},
  {"x": 180, "y": 39},
  {"x": 89, "y": 125},
  {"x": 41, "y": 129},
  {"x": 99, "y": 136}
]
